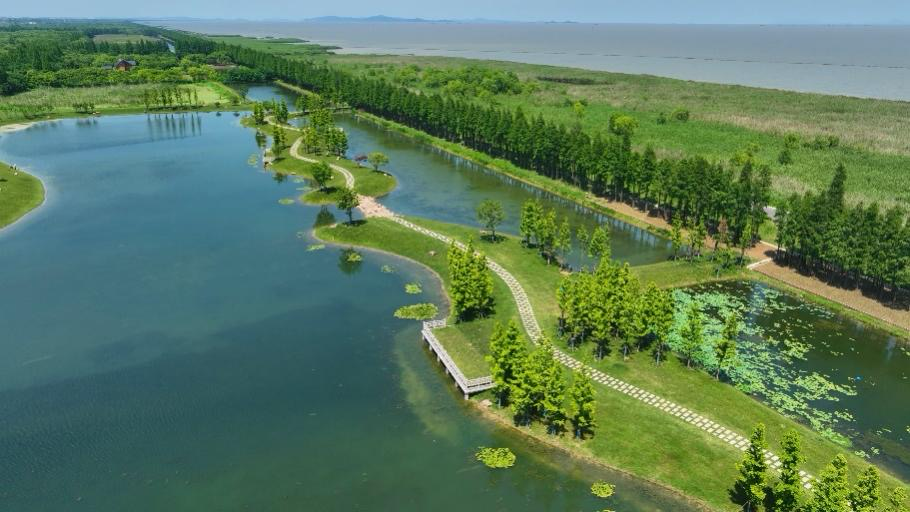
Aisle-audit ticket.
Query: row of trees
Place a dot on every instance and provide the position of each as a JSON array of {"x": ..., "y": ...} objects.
[
  {"x": 754, "y": 489},
  {"x": 321, "y": 136},
  {"x": 605, "y": 164},
  {"x": 534, "y": 385},
  {"x": 541, "y": 229},
  {"x": 471, "y": 282},
  {"x": 609, "y": 305},
  {"x": 170, "y": 97},
  {"x": 858, "y": 245}
]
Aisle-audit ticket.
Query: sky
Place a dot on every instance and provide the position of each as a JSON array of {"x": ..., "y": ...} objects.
[{"x": 602, "y": 11}]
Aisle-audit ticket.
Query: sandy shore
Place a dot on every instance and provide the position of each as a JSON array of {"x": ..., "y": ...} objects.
[{"x": 15, "y": 127}]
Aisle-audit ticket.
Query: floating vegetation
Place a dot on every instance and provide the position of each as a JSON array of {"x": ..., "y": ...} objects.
[
  {"x": 315, "y": 247},
  {"x": 413, "y": 288},
  {"x": 496, "y": 458},
  {"x": 424, "y": 311},
  {"x": 602, "y": 489},
  {"x": 253, "y": 160},
  {"x": 768, "y": 349},
  {"x": 298, "y": 179},
  {"x": 387, "y": 269},
  {"x": 353, "y": 257},
  {"x": 301, "y": 234},
  {"x": 286, "y": 201}
]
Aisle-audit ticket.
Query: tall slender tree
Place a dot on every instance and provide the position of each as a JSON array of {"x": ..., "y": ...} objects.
[{"x": 752, "y": 485}]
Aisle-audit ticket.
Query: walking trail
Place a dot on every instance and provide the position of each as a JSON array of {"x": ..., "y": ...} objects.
[{"x": 371, "y": 208}]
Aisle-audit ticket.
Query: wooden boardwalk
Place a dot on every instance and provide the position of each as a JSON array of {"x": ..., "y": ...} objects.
[{"x": 468, "y": 386}]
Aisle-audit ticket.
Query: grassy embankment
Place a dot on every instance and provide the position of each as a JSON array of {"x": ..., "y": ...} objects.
[
  {"x": 20, "y": 193},
  {"x": 631, "y": 436},
  {"x": 285, "y": 46},
  {"x": 367, "y": 181},
  {"x": 874, "y": 134},
  {"x": 114, "y": 99},
  {"x": 122, "y": 38}
]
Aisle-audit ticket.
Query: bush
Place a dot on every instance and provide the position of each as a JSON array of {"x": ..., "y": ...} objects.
[
  {"x": 662, "y": 118},
  {"x": 680, "y": 114},
  {"x": 785, "y": 158}
]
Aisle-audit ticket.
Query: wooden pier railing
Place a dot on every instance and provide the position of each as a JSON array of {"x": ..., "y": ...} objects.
[{"x": 468, "y": 386}]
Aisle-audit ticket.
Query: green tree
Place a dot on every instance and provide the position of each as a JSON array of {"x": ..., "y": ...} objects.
[
  {"x": 658, "y": 312},
  {"x": 676, "y": 235},
  {"x": 830, "y": 491},
  {"x": 553, "y": 397},
  {"x": 281, "y": 113},
  {"x": 531, "y": 212},
  {"x": 564, "y": 238},
  {"x": 725, "y": 345},
  {"x": 582, "y": 236},
  {"x": 490, "y": 214},
  {"x": 599, "y": 244},
  {"x": 751, "y": 487},
  {"x": 623, "y": 125},
  {"x": 581, "y": 398},
  {"x": 279, "y": 141},
  {"x": 866, "y": 494},
  {"x": 508, "y": 352},
  {"x": 897, "y": 500},
  {"x": 322, "y": 174},
  {"x": 693, "y": 334},
  {"x": 347, "y": 201},
  {"x": 472, "y": 282},
  {"x": 377, "y": 159},
  {"x": 788, "y": 493},
  {"x": 546, "y": 234}
]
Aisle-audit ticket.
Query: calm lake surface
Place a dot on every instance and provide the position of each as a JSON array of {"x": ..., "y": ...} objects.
[
  {"x": 169, "y": 343},
  {"x": 866, "y": 61}
]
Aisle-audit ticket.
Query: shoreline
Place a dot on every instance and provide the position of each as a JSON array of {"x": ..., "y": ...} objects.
[
  {"x": 45, "y": 198},
  {"x": 490, "y": 415}
]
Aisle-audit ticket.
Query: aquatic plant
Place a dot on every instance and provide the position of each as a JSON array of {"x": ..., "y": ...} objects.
[
  {"x": 387, "y": 269},
  {"x": 315, "y": 247},
  {"x": 413, "y": 288},
  {"x": 602, "y": 489},
  {"x": 353, "y": 257},
  {"x": 496, "y": 458},
  {"x": 424, "y": 311},
  {"x": 286, "y": 201}
]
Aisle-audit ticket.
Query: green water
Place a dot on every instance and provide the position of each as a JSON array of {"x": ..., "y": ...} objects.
[
  {"x": 820, "y": 367},
  {"x": 168, "y": 343}
]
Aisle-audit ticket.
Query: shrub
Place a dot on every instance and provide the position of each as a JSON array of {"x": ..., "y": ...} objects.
[
  {"x": 680, "y": 114},
  {"x": 785, "y": 158}
]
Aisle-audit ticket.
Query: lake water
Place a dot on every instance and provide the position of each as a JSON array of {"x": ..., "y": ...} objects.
[
  {"x": 865, "y": 61},
  {"x": 169, "y": 343},
  {"x": 821, "y": 367}
]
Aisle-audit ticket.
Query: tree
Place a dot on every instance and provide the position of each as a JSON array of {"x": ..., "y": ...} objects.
[
  {"x": 623, "y": 125},
  {"x": 279, "y": 141},
  {"x": 281, "y": 113},
  {"x": 830, "y": 492},
  {"x": 897, "y": 500},
  {"x": 347, "y": 201},
  {"x": 546, "y": 234},
  {"x": 599, "y": 244},
  {"x": 507, "y": 354},
  {"x": 472, "y": 282},
  {"x": 564, "y": 238},
  {"x": 866, "y": 494},
  {"x": 581, "y": 397},
  {"x": 676, "y": 236},
  {"x": 658, "y": 307},
  {"x": 693, "y": 334},
  {"x": 322, "y": 174},
  {"x": 582, "y": 236},
  {"x": 788, "y": 493},
  {"x": 531, "y": 212},
  {"x": 490, "y": 214},
  {"x": 377, "y": 159},
  {"x": 554, "y": 392},
  {"x": 750, "y": 488},
  {"x": 725, "y": 345}
]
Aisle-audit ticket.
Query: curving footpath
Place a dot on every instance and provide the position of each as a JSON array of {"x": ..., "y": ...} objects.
[{"x": 532, "y": 327}]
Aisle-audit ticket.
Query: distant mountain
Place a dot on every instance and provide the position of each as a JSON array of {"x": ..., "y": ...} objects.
[{"x": 391, "y": 19}]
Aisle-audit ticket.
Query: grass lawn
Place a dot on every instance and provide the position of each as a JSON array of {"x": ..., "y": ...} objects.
[
  {"x": 20, "y": 193},
  {"x": 874, "y": 134},
  {"x": 466, "y": 342}
]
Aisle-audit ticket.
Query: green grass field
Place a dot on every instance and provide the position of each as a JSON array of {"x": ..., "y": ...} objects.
[
  {"x": 874, "y": 134},
  {"x": 631, "y": 435},
  {"x": 20, "y": 193},
  {"x": 286, "y": 47},
  {"x": 107, "y": 99}
]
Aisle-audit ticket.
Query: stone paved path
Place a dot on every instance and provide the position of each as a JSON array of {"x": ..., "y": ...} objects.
[{"x": 532, "y": 327}]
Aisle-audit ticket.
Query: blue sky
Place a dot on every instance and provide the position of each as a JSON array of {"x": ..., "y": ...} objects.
[{"x": 622, "y": 11}]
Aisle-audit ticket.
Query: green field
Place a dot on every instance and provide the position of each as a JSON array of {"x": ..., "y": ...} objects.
[
  {"x": 59, "y": 102},
  {"x": 631, "y": 435},
  {"x": 20, "y": 193},
  {"x": 874, "y": 134}
]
